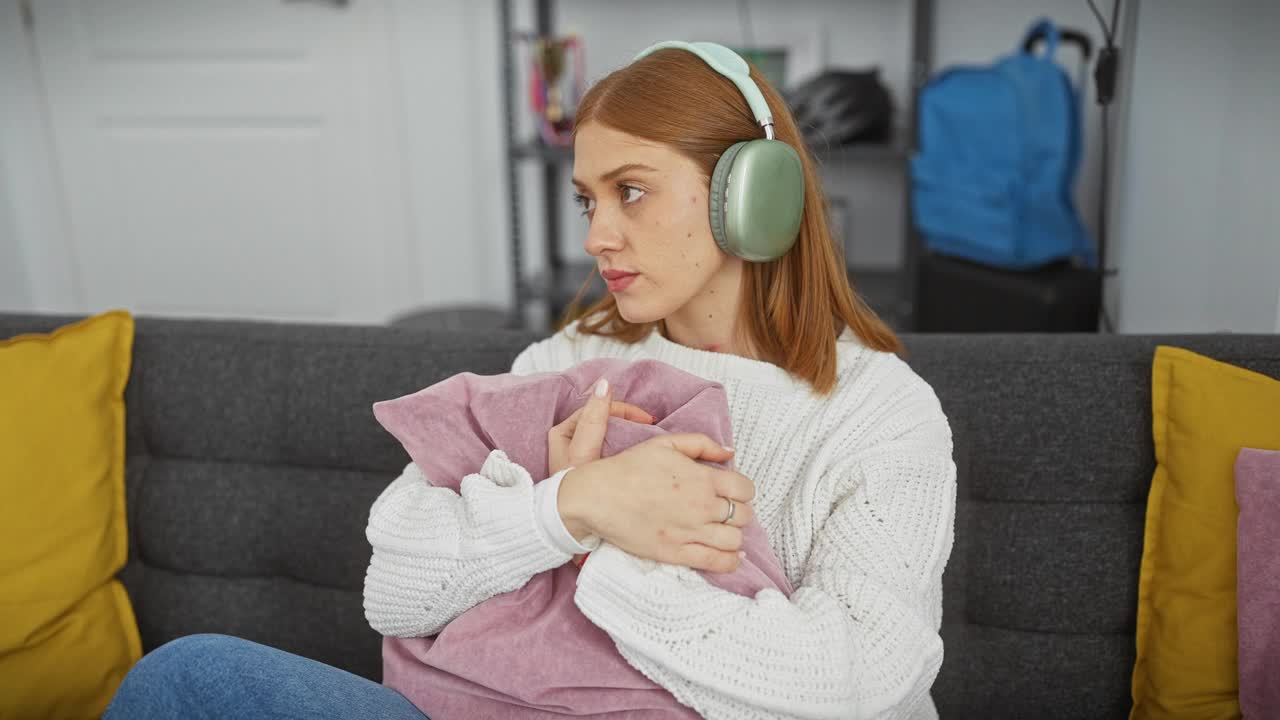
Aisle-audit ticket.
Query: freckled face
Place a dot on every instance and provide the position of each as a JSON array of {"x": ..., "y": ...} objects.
[{"x": 647, "y": 209}]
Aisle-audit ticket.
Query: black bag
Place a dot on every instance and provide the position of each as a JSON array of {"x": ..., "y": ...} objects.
[
  {"x": 839, "y": 107},
  {"x": 955, "y": 295}
]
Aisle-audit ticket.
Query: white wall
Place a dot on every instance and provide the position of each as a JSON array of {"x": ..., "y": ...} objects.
[{"x": 1198, "y": 207}]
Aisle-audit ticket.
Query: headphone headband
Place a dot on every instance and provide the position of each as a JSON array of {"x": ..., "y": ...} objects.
[{"x": 729, "y": 64}]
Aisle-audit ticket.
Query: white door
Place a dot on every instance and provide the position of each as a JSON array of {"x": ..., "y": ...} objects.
[{"x": 230, "y": 158}]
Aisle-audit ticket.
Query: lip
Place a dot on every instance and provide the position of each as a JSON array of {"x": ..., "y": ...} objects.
[
  {"x": 618, "y": 280},
  {"x": 615, "y": 274}
]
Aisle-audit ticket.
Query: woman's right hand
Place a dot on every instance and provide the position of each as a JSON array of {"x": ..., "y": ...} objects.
[{"x": 655, "y": 501}]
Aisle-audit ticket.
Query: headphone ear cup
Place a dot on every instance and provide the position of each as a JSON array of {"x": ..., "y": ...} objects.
[
  {"x": 762, "y": 222},
  {"x": 716, "y": 202}
]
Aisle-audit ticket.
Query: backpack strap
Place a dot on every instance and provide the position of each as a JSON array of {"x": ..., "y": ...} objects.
[
  {"x": 1045, "y": 29},
  {"x": 1066, "y": 36}
]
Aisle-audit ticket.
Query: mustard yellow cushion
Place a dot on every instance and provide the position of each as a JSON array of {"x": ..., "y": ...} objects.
[
  {"x": 1203, "y": 412},
  {"x": 68, "y": 634}
]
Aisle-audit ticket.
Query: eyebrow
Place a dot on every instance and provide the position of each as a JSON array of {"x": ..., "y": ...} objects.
[{"x": 620, "y": 170}]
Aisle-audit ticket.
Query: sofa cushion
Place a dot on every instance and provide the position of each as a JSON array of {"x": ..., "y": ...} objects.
[
  {"x": 1258, "y": 581},
  {"x": 1203, "y": 412},
  {"x": 68, "y": 635}
]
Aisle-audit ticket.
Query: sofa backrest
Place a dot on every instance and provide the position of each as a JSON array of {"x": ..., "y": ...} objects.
[
  {"x": 253, "y": 458},
  {"x": 1054, "y": 456}
]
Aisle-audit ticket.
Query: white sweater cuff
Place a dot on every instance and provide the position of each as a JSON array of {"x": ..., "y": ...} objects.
[{"x": 546, "y": 499}]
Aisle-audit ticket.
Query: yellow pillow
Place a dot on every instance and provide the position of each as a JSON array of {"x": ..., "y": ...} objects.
[
  {"x": 68, "y": 634},
  {"x": 1203, "y": 411}
]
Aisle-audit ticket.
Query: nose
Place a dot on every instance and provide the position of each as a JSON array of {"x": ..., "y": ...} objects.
[{"x": 602, "y": 235}]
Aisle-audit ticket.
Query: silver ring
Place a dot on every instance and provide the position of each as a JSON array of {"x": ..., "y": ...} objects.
[{"x": 732, "y": 507}]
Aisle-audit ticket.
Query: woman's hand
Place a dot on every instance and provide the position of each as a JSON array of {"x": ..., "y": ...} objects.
[
  {"x": 655, "y": 501},
  {"x": 577, "y": 440}
]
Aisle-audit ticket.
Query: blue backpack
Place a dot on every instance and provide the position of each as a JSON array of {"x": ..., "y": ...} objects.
[{"x": 999, "y": 152}]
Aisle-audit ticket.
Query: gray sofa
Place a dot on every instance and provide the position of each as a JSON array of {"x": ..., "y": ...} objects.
[{"x": 253, "y": 458}]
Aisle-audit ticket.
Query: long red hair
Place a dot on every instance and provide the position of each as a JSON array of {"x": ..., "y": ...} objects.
[{"x": 792, "y": 309}]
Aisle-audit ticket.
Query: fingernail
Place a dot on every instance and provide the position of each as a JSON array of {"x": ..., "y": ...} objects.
[
  {"x": 602, "y": 387},
  {"x": 727, "y": 448},
  {"x": 742, "y": 553}
]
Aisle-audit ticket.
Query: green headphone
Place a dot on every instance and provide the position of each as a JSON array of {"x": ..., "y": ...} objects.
[{"x": 757, "y": 189}]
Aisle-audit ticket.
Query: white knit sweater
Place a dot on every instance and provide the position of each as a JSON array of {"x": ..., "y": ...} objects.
[{"x": 856, "y": 491}]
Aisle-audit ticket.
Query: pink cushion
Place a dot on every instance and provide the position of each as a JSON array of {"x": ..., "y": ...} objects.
[
  {"x": 1258, "y": 581},
  {"x": 531, "y": 653}
]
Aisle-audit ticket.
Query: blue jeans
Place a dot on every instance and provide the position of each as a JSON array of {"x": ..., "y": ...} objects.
[{"x": 219, "y": 676}]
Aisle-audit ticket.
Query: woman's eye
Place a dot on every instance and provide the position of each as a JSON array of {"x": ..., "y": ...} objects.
[
  {"x": 631, "y": 194},
  {"x": 584, "y": 203}
]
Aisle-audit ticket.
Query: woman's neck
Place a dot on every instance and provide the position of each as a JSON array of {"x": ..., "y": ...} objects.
[
  {"x": 719, "y": 339},
  {"x": 709, "y": 320}
]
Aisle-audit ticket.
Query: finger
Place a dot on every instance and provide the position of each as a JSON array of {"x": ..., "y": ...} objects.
[
  {"x": 567, "y": 426},
  {"x": 695, "y": 446},
  {"x": 588, "y": 436},
  {"x": 734, "y": 485},
  {"x": 627, "y": 411},
  {"x": 720, "y": 536},
  {"x": 702, "y": 557},
  {"x": 617, "y": 408}
]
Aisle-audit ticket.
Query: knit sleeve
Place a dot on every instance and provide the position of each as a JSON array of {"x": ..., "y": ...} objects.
[
  {"x": 859, "y": 638},
  {"x": 437, "y": 553}
]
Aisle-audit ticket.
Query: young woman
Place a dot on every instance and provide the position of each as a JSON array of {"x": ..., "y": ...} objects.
[{"x": 842, "y": 452}]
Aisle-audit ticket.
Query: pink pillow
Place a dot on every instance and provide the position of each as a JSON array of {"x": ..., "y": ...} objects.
[
  {"x": 531, "y": 653},
  {"x": 1258, "y": 581}
]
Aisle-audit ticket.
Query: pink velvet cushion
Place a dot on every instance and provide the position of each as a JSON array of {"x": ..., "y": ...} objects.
[
  {"x": 531, "y": 653},
  {"x": 1258, "y": 581}
]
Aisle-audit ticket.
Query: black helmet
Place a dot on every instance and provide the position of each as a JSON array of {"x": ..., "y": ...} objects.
[{"x": 839, "y": 107}]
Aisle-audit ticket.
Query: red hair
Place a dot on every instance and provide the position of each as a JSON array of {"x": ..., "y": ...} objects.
[{"x": 791, "y": 309}]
